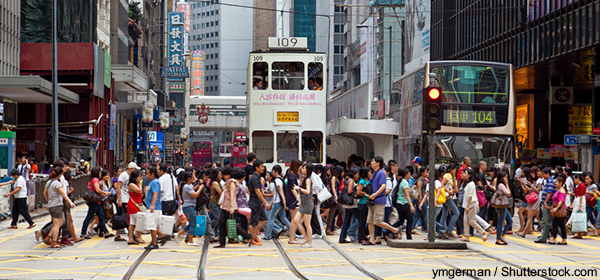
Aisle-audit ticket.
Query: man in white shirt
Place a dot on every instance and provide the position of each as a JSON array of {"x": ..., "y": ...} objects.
[
  {"x": 317, "y": 185},
  {"x": 168, "y": 190},
  {"x": 24, "y": 168},
  {"x": 122, "y": 188},
  {"x": 20, "y": 203}
]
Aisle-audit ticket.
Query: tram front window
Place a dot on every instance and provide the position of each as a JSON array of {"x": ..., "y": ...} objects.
[
  {"x": 494, "y": 150},
  {"x": 287, "y": 146},
  {"x": 312, "y": 146},
  {"x": 287, "y": 75},
  {"x": 315, "y": 76},
  {"x": 262, "y": 145},
  {"x": 260, "y": 70}
]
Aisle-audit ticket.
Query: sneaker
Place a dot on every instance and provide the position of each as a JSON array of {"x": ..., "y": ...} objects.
[
  {"x": 192, "y": 244},
  {"x": 66, "y": 241},
  {"x": 151, "y": 246},
  {"x": 316, "y": 236},
  {"x": 266, "y": 238},
  {"x": 256, "y": 242}
]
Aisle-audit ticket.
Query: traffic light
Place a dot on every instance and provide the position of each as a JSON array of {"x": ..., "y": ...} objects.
[{"x": 432, "y": 109}]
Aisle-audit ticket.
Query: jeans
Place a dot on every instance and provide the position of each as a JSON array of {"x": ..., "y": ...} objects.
[
  {"x": 215, "y": 210},
  {"x": 20, "y": 207},
  {"x": 363, "y": 211},
  {"x": 546, "y": 222},
  {"x": 404, "y": 214},
  {"x": 386, "y": 218},
  {"x": 450, "y": 206},
  {"x": 94, "y": 209},
  {"x": 210, "y": 234},
  {"x": 439, "y": 228},
  {"x": 350, "y": 213},
  {"x": 421, "y": 215},
  {"x": 190, "y": 214},
  {"x": 590, "y": 214},
  {"x": 353, "y": 228},
  {"x": 460, "y": 226},
  {"x": 271, "y": 226},
  {"x": 500, "y": 227}
]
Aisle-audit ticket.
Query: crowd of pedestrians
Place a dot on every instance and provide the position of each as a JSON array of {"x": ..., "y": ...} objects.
[{"x": 362, "y": 201}]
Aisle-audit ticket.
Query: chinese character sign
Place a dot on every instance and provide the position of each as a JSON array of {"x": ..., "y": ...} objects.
[
  {"x": 580, "y": 119},
  {"x": 175, "y": 33},
  {"x": 197, "y": 71},
  {"x": 187, "y": 14}
]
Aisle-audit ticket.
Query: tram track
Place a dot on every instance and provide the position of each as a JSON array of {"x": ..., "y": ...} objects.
[
  {"x": 135, "y": 265},
  {"x": 202, "y": 264}
]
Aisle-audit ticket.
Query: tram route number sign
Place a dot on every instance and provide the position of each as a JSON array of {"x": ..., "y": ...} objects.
[
  {"x": 288, "y": 43},
  {"x": 287, "y": 117},
  {"x": 469, "y": 117}
]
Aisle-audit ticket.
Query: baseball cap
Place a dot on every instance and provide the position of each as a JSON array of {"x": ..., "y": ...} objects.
[
  {"x": 133, "y": 165},
  {"x": 81, "y": 160},
  {"x": 179, "y": 170},
  {"x": 418, "y": 160}
]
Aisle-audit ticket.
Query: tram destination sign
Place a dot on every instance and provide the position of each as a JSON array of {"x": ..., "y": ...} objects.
[
  {"x": 469, "y": 117},
  {"x": 287, "y": 43},
  {"x": 287, "y": 117}
]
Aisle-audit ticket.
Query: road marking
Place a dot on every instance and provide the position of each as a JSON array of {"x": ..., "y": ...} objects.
[
  {"x": 90, "y": 243},
  {"x": 484, "y": 243},
  {"x": 526, "y": 242}
]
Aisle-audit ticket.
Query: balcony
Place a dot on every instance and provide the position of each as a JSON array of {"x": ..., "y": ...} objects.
[{"x": 129, "y": 78}]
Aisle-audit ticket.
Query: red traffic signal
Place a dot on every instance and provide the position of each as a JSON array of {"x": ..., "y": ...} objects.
[{"x": 434, "y": 93}]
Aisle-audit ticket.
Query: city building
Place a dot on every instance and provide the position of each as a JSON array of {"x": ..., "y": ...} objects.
[{"x": 223, "y": 31}]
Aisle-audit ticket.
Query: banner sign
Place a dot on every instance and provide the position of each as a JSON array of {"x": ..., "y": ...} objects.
[
  {"x": 175, "y": 43},
  {"x": 197, "y": 79},
  {"x": 175, "y": 72},
  {"x": 580, "y": 119}
]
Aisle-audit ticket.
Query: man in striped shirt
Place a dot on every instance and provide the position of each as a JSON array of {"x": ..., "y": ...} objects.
[{"x": 547, "y": 192}]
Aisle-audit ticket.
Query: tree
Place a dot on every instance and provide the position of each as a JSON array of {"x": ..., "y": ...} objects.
[{"x": 135, "y": 12}]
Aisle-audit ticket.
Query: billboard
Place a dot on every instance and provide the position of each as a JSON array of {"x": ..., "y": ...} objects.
[
  {"x": 187, "y": 15},
  {"x": 367, "y": 71},
  {"x": 418, "y": 36},
  {"x": 197, "y": 79},
  {"x": 175, "y": 42}
]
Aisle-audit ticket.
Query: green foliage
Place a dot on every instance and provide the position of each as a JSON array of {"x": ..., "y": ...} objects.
[{"x": 135, "y": 12}]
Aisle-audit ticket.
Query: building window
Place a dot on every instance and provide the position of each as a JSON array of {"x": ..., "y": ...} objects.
[
  {"x": 212, "y": 34},
  {"x": 202, "y": 25},
  {"x": 217, "y": 12},
  {"x": 216, "y": 45},
  {"x": 203, "y": 13},
  {"x": 216, "y": 55},
  {"x": 212, "y": 45},
  {"x": 212, "y": 13},
  {"x": 336, "y": 70},
  {"x": 337, "y": 49},
  {"x": 212, "y": 23},
  {"x": 216, "y": 77},
  {"x": 216, "y": 88},
  {"x": 217, "y": 23},
  {"x": 217, "y": 34}
]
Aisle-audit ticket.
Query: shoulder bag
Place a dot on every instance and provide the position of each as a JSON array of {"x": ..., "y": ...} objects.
[
  {"x": 170, "y": 207},
  {"x": 442, "y": 198},
  {"x": 91, "y": 195},
  {"x": 499, "y": 200},
  {"x": 558, "y": 212}
]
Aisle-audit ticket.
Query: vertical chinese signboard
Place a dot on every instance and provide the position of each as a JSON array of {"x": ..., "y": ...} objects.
[
  {"x": 187, "y": 14},
  {"x": 175, "y": 34},
  {"x": 580, "y": 119},
  {"x": 197, "y": 80}
]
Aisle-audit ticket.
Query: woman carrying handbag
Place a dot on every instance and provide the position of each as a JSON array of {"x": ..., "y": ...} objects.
[
  {"x": 500, "y": 202},
  {"x": 559, "y": 211}
]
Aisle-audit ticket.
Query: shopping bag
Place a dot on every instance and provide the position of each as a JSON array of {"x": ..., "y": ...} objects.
[
  {"x": 245, "y": 211},
  {"x": 231, "y": 228},
  {"x": 200, "y": 229},
  {"x": 166, "y": 224},
  {"x": 579, "y": 222}
]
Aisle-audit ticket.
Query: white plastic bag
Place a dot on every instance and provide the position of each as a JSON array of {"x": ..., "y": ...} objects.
[{"x": 579, "y": 222}]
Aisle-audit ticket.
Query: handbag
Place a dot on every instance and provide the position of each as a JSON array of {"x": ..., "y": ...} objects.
[
  {"x": 413, "y": 191},
  {"x": 202, "y": 199},
  {"x": 590, "y": 200},
  {"x": 531, "y": 197},
  {"x": 231, "y": 228},
  {"x": 481, "y": 198},
  {"x": 579, "y": 222},
  {"x": 170, "y": 207},
  {"x": 140, "y": 206},
  {"x": 324, "y": 194},
  {"x": 499, "y": 201},
  {"x": 558, "y": 212},
  {"x": 91, "y": 195},
  {"x": 119, "y": 222},
  {"x": 345, "y": 198},
  {"x": 200, "y": 229},
  {"x": 442, "y": 198}
]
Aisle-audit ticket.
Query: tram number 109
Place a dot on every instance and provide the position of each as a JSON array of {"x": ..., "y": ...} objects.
[{"x": 287, "y": 42}]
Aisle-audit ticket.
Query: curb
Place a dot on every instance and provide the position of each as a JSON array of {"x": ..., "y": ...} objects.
[{"x": 442, "y": 245}]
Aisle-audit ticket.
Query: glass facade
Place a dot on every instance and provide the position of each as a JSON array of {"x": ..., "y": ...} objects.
[{"x": 306, "y": 25}]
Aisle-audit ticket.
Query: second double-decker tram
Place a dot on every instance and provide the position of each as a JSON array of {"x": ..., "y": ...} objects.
[{"x": 287, "y": 103}]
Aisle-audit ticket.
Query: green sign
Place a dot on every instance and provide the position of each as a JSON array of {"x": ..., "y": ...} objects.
[
  {"x": 175, "y": 86},
  {"x": 107, "y": 69}
]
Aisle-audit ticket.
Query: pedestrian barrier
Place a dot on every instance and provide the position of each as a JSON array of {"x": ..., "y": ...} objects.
[{"x": 78, "y": 183}]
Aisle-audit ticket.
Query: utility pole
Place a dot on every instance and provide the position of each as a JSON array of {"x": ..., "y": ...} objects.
[{"x": 55, "y": 150}]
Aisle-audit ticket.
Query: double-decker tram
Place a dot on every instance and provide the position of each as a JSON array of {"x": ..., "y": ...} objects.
[
  {"x": 238, "y": 152},
  {"x": 202, "y": 153},
  {"x": 287, "y": 103},
  {"x": 478, "y": 105}
]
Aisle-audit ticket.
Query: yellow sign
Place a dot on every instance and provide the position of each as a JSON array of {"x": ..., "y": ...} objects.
[
  {"x": 522, "y": 111},
  {"x": 580, "y": 119},
  {"x": 287, "y": 117}
]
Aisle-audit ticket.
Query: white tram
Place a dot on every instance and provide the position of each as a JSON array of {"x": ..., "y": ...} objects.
[{"x": 286, "y": 103}]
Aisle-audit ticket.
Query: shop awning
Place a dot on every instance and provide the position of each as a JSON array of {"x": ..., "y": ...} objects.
[{"x": 33, "y": 89}]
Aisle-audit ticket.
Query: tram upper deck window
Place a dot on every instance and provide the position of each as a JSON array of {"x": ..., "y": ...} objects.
[
  {"x": 315, "y": 76},
  {"x": 260, "y": 71},
  {"x": 287, "y": 146},
  {"x": 473, "y": 84},
  {"x": 312, "y": 146},
  {"x": 287, "y": 75},
  {"x": 262, "y": 145}
]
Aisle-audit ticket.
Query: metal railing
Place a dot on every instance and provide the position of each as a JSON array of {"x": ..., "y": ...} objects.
[{"x": 79, "y": 183}]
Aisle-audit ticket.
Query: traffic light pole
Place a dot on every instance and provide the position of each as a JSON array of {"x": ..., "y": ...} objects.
[{"x": 431, "y": 193}]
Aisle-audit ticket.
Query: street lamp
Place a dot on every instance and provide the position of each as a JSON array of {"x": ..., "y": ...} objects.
[{"x": 390, "y": 66}]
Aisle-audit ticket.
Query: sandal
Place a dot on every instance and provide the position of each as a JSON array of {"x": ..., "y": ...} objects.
[
  {"x": 55, "y": 244},
  {"x": 31, "y": 226},
  {"x": 13, "y": 227},
  {"x": 108, "y": 236},
  {"x": 293, "y": 242},
  {"x": 86, "y": 237},
  {"x": 132, "y": 243},
  {"x": 368, "y": 243},
  {"x": 465, "y": 239},
  {"x": 143, "y": 241},
  {"x": 119, "y": 238}
]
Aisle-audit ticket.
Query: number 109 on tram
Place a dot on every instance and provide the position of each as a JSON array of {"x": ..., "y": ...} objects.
[{"x": 287, "y": 103}]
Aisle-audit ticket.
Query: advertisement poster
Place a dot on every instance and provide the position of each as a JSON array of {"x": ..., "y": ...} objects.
[
  {"x": 522, "y": 112},
  {"x": 580, "y": 119},
  {"x": 557, "y": 150},
  {"x": 197, "y": 77},
  {"x": 525, "y": 154},
  {"x": 570, "y": 153},
  {"x": 366, "y": 51},
  {"x": 544, "y": 153},
  {"x": 418, "y": 21}
]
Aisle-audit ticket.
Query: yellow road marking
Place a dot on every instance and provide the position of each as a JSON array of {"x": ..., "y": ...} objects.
[
  {"x": 480, "y": 241},
  {"x": 90, "y": 243},
  {"x": 526, "y": 242}
]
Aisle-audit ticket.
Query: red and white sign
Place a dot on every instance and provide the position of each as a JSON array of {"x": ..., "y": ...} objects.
[
  {"x": 596, "y": 130},
  {"x": 561, "y": 95},
  {"x": 203, "y": 112},
  {"x": 380, "y": 108},
  {"x": 187, "y": 14}
]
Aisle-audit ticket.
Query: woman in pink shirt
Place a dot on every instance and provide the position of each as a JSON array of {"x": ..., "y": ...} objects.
[{"x": 558, "y": 200}]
